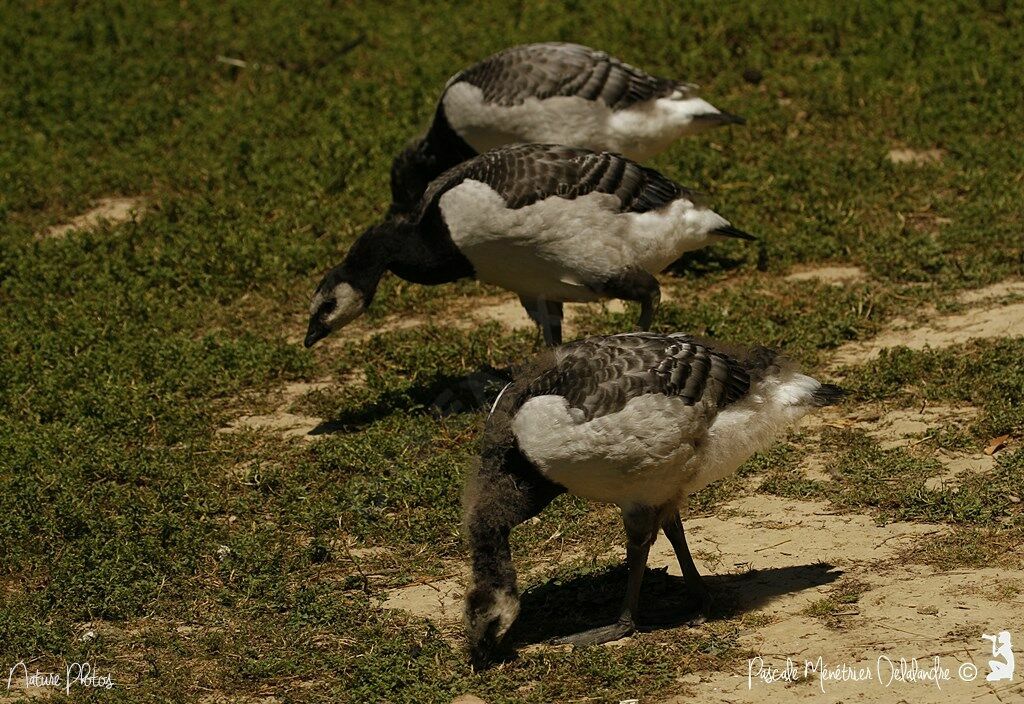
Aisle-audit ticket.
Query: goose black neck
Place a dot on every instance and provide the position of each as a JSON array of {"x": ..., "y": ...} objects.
[
  {"x": 418, "y": 252},
  {"x": 507, "y": 491},
  {"x": 427, "y": 255},
  {"x": 370, "y": 256},
  {"x": 488, "y": 537},
  {"x": 445, "y": 144}
]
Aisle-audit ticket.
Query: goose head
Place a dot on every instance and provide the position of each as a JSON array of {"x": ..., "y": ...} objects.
[
  {"x": 346, "y": 291},
  {"x": 337, "y": 302},
  {"x": 489, "y": 613}
]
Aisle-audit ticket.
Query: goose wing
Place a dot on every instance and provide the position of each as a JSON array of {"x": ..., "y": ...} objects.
[
  {"x": 615, "y": 418},
  {"x": 560, "y": 69},
  {"x": 524, "y": 174},
  {"x": 600, "y": 375}
]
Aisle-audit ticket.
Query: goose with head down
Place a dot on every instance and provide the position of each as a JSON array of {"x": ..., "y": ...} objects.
[
  {"x": 639, "y": 420},
  {"x": 552, "y": 223}
]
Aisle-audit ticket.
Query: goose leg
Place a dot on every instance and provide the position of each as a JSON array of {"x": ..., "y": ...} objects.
[
  {"x": 548, "y": 316},
  {"x": 673, "y": 528},
  {"x": 640, "y": 286},
  {"x": 648, "y": 306},
  {"x": 552, "y": 322},
  {"x": 641, "y": 530}
]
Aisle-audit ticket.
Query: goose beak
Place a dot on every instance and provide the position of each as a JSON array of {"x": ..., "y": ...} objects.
[{"x": 317, "y": 331}]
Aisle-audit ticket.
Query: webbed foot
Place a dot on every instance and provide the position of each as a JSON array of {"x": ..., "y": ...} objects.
[{"x": 595, "y": 636}]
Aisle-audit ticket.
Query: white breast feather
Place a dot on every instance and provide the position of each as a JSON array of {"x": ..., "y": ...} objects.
[
  {"x": 648, "y": 128},
  {"x": 635, "y": 456},
  {"x": 554, "y": 248},
  {"x": 657, "y": 450},
  {"x": 659, "y": 237},
  {"x": 752, "y": 424},
  {"x": 560, "y": 248},
  {"x": 638, "y": 132}
]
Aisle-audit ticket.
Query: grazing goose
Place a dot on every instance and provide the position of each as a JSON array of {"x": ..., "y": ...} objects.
[
  {"x": 551, "y": 223},
  {"x": 557, "y": 93},
  {"x": 640, "y": 420}
]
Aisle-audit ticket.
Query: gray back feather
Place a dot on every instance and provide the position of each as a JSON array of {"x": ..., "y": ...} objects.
[
  {"x": 559, "y": 69},
  {"x": 599, "y": 375},
  {"x": 524, "y": 174}
]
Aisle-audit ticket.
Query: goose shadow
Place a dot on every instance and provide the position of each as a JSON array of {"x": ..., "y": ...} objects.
[
  {"x": 441, "y": 395},
  {"x": 559, "y": 608},
  {"x": 707, "y": 261}
]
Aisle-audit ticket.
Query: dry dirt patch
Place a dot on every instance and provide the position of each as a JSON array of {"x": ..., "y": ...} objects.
[
  {"x": 957, "y": 465},
  {"x": 901, "y": 426},
  {"x": 907, "y": 428},
  {"x": 998, "y": 320},
  {"x": 764, "y": 532},
  {"x": 908, "y": 612},
  {"x": 113, "y": 210},
  {"x": 439, "y": 601},
  {"x": 999, "y": 290},
  {"x": 777, "y": 536},
  {"x": 894, "y": 427},
  {"x": 288, "y": 424},
  {"x": 281, "y": 419},
  {"x": 905, "y": 155},
  {"x": 19, "y": 693},
  {"x": 834, "y": 275},
  {"x": 510, "y": 313},
  {"x": 506, "y": 310}
]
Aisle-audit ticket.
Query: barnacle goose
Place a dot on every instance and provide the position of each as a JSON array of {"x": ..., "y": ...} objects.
[
  {"x": 640, "y": 420},
  {"x": 552, "y": 92},
  {"x": 551, "y": 223}
]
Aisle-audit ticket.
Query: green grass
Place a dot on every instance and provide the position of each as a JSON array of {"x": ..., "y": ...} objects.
[
  {"x": 892, "y": 483},
  {"x": 986, "y": 374},
  {"x": 985, "y": 509},
  {"x": 125, "y": 349}
]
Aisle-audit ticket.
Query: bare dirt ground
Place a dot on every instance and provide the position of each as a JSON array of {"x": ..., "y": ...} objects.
[
  {"x": 835, "y": 275},
  {"x": 281, "y": 419},
  {"x": 904, "y": 155},
  {"x": 906, "y": 611},
  {"x": 113, "y": 210}
]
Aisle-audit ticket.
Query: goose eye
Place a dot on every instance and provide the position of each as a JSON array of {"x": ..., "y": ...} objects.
[{"x": 328, "y": 306}]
